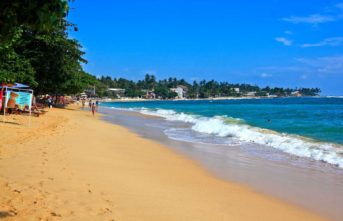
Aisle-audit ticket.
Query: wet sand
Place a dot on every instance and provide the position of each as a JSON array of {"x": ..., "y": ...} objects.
[{"x": 70, "y": 166}]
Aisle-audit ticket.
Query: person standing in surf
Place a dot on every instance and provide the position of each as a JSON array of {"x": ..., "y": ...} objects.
[
  {"x": 97, "y": 105},
  {"x": 93, "y": 109}
]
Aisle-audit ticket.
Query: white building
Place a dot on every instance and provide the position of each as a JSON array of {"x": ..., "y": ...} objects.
[
  {"x": 118, "y": 92},
  {"x": 180, "y": 90},
  {"x": 251, "y": 94},
  {"x": 296, "y": 93},
  {"x": 236, "y": 89}
]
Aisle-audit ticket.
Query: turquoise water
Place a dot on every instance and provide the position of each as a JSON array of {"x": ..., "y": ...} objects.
[
  {"x": 305, "y": 127},
  {"x": 318, "y": 118}
]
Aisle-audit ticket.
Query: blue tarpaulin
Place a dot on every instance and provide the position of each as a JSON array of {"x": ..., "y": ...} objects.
[
  {"x": 16, "y": 85},
  {"x": 19, "y": 85}
]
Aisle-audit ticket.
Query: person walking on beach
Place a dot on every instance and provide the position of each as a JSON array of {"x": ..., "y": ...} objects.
[
  {"x": 50, "y": 102},
  {"x": 83, "y": 103},
  {"x": 97, "y": 105},
  {"x": 93, "y": 109}
]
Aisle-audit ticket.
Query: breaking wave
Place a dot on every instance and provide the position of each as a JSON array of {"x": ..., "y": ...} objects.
[{"x": 232, "y": 128}]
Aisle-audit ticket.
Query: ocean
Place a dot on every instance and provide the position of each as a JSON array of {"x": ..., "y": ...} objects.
[{"x": 305, "y": 127}]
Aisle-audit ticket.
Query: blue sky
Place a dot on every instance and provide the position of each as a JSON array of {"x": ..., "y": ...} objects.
[{"x": 271, "y": 42}]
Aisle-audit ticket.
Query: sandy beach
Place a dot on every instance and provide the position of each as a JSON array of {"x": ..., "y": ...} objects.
[{"x": 68, "y": 165}]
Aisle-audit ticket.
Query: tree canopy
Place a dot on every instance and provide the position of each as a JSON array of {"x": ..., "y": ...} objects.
[
  {"x": 202, "y": 89},
  {"x": 36, "y": 15},
  {"x": 35, "y": 48}
]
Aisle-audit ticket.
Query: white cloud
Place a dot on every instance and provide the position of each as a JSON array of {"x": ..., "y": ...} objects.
[
  {"x": 339, "y": 5},
  {"x": 304, "y": 76},
  {"x": 306, "y": 68},
  {"x": 265, "y": 75},
  {"x": 329, "y": 14},
  {"x": 324, "y": 65},
  {"x": 284, "y": 41},
  {"x": 287, "y": 32},
  {"x": 338, "y": 41},
  {"x": 284, "y": 69},
  {"x": 310, "y": 19}
]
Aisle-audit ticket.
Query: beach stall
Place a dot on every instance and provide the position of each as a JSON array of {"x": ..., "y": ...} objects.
[{"x": 15, "y": 96}]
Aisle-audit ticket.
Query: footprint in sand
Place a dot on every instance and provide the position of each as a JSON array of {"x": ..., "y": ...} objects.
[
  {"x": 55, "y": 214},
  {"x": 17, "y": 191},
  {"x": 104, "y": 211},
  {"x": 109, "y": 202}
]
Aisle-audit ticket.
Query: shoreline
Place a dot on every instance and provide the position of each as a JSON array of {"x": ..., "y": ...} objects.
[
  {"x": 70, "y": 166},
  {"x": 195, "y": 99},
  {"x": 204, "y": 99},
  {"x": 305, "y": 183}
]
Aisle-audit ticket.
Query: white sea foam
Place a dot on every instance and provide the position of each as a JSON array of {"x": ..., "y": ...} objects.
[
  {"x": 334, "y": 96},
  {"x": 189, "y": 135},
  {"x": 221, "y": 126}
]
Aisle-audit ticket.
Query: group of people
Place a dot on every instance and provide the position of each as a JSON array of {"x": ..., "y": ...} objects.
[{"x": 54, "y": 100}]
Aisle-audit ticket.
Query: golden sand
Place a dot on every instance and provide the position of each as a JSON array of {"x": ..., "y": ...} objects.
[{"x": 69, "y": 165}]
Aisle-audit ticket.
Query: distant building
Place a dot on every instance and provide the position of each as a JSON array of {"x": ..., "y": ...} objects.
[
  {"x": 118, "y": 92},
  {"x": 149, "y": 94},
  {"x": 83, "y": 95},
  {"x": 296, "y": 93},
  {"x": 236, "y": 89},
  {"x": 251, "y": 94},
  {"x": 90, "y": 92},
  {"x": 181, "y": 91}
]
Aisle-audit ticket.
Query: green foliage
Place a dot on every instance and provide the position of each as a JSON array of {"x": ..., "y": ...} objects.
[
  {"x": 149, "y": 82},
  {"x": 309, "y": 91},
  {"x": 288, "y": 91},
  {"x": 101, "y": 89},
  {"x": 261, "y": 93},
  {"x": 76, "y": 83},
  {"x": 164, "y": 92},
  {"x": 56, "y": 60},
  {"x": 202, "y": 89},
  {"x": 36, "y": 15},
  {"x": 14, "y": 67},
  {"x": 35, "y": 48}
]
